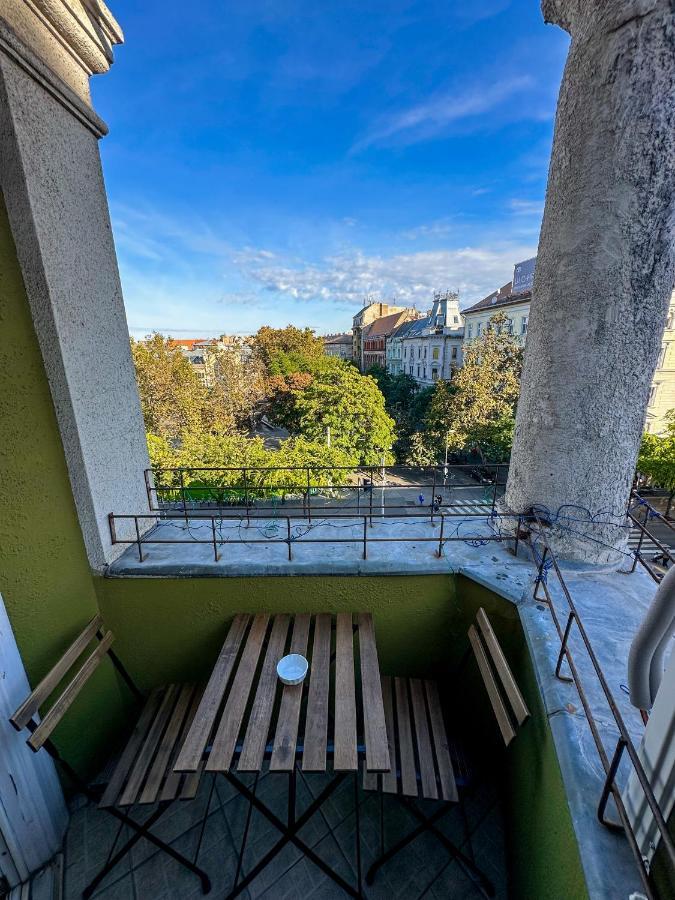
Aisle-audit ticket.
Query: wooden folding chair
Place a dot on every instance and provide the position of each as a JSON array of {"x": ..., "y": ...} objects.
[
  {"x": 144, "y": 773},
  {"x": 421, "y": 768},
  {"x": 507, "y": 702}
]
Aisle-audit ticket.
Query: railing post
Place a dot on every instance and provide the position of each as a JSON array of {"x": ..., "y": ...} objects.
[
  {"x": 113, "y": 532},
  {"x": 433, "y": 496},
  {"x": 309, "y": 497},
  {"x": 609, "y": 784},
  {"x": 182, "y": 493},
  {"x": 372, "y": 488},
  {"x": 563, "y": 648},
  {"x": 246, "y": 496},
  {"x": 288, "y": 537},
  {"x": 148, "y": 489},
  {"x": 494, "y": 492},
  {"x": 365, "y": 537},
  {"x": 518, "y": 524},
  {"x": 439, "y": 552},
  {"x": 141, "y": 557},
  {"x": 539, "y": 577},
  {"x": 215, "y": 545}
]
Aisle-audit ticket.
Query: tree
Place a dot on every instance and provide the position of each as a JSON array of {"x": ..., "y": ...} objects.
[
  {"x": 482, "y": 394},
  {"x": 351, "y": 405},
  {"x": 267, "y": 342},
  {"x": 239, "y": 387},
  {"x": 173, "y": 399},
  {"x": 407, "y": 404},
  {"x": 656, "y": 460}
]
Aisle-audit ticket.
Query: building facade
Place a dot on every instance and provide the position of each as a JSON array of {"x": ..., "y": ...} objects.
[
  {"x": 429, "y": 349},
  {"x": 376, "y": 335},
  {"x": 662, "y": 392},
  {"x": 339, "y": 345},
  {"x": 516, "y": 307},
  {"x": 364, "y": 318}
]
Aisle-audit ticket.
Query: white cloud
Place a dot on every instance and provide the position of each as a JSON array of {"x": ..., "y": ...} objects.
[
  {"x": 409, "y": 277},
  {"x": 427, "y": 120}
]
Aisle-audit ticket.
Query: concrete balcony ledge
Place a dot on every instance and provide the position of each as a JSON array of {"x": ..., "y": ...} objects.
[{"x": 611, "y": 605}]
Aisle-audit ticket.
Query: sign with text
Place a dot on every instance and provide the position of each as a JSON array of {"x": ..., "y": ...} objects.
[{"x": 523, "y": 275}]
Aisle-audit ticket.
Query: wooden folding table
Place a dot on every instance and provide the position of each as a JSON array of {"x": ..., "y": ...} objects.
[{"x": 246, "y": 717}]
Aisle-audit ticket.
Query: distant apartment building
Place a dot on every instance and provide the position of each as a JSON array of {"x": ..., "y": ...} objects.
[
  {"x": 662, "y": 391},
  {"x": 376, "y": 335},
  {"x": 429, "y": 349},
  {"x": 202, "y": 352},
  {"x": 339, "y": 345},
  {"x": 514, "y": 299},
  {"x": 364, "y": 318}
]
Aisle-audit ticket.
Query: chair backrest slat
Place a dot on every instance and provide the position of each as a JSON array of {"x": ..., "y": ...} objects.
[
  {"x": 70, "y": 692},
  {"x": 498, "y": 706},
  {"x": 32, "y": 703},
  {"x": 516, "y": 699}
]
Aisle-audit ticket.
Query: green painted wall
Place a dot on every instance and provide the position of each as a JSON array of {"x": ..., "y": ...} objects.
[
  {"x": 542, "y": 847},
  {"x": 171, "y": 629},
  {"x": 44, "y": 574}
]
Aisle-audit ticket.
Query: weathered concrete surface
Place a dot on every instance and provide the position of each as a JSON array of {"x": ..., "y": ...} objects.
[
  {"x": 51, "y": 178},
  {"x": 605, "y": 269}
]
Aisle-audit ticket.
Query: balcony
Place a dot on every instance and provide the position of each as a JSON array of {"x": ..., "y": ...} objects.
[{"x": 83, "y": 534}]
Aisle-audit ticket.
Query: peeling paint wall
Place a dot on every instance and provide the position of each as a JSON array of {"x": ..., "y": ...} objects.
[{"x": 44, "y": 573}]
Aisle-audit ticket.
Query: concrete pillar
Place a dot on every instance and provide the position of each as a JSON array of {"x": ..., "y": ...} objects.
[
  {"x": 605, "y": 270},
  {"x": 51, "y": 179}
]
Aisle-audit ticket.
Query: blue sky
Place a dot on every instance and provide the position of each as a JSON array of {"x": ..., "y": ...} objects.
[{"x": 275, "y": 161}]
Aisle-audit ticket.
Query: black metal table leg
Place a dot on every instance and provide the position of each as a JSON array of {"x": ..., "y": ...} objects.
[{"x": 289, "y": 834}]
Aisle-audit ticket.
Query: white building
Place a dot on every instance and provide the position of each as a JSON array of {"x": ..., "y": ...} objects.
[
  {"x": 515, "y": 304},
  {"x": 429, "y": 349}
]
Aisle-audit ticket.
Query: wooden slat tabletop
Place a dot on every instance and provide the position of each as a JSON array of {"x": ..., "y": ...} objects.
[{"x": 246, "y": 713}]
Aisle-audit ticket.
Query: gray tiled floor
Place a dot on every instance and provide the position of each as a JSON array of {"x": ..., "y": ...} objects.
[{"x": 423, "y": 869}]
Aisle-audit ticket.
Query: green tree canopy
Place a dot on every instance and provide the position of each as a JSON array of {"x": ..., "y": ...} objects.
[
  {"x": 478, "y": 405},
  {"x": 656, "y": 460},
  {"x": 268, "y": 342},
  {"x": 173, "y": 399}
]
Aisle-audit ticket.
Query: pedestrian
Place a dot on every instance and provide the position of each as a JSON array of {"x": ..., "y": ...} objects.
[{"x": 421, "y": 499}]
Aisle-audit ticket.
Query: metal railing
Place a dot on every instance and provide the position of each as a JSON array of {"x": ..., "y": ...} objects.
[
  {"x": 319, "y": 488},
  {"x": 547, "y": 563},
  {"x": 641, "y": 513},
  {"x": 510, "y": 529}
]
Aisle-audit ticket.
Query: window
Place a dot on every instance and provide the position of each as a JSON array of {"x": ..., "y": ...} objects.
[
  {"x": 434, "y": 374},
  {"x": 435, "y": 352},
  {"x": 418, "y": 371},
  {"x": 479, "y": 328},
  {"x": 653, "y": 390},
  {"x": 425, "y": 352},
  {"x": 454, "y": 352},
  {"x": 455, "y": 319},
  {"x": 419, "y": 352},
  {"x": 509, "y": 326},
  {"x": 662, "y": 356},
  {"x": 669, "y": 320},
  {"x": 405, "y": 352},
  {"x": 410, "y": 368},
  {"x": 424, "y": 373},
  {"x": 523, "y": 325},
  {"x": 470, "y": 332}
]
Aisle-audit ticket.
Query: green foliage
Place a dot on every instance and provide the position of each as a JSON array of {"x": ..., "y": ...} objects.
[
  {"x": 656, "y": 460},
  {"x": 476, "y": 410},
  {"x": 233, "y": 452},
  {"x": 172, "y": 396},
  {"x": 352, "y": 406},
  {"x": 408, "y": 405},
  {"x": 268, "y": 342}
]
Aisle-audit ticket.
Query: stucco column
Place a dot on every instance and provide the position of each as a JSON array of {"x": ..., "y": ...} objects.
[
  {"x": 51, "y": 179},
  {"x": 605, "y": 270}
]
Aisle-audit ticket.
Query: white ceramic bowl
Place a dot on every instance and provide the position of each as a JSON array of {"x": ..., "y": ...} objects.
[{"x": 292, "y": 669}]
